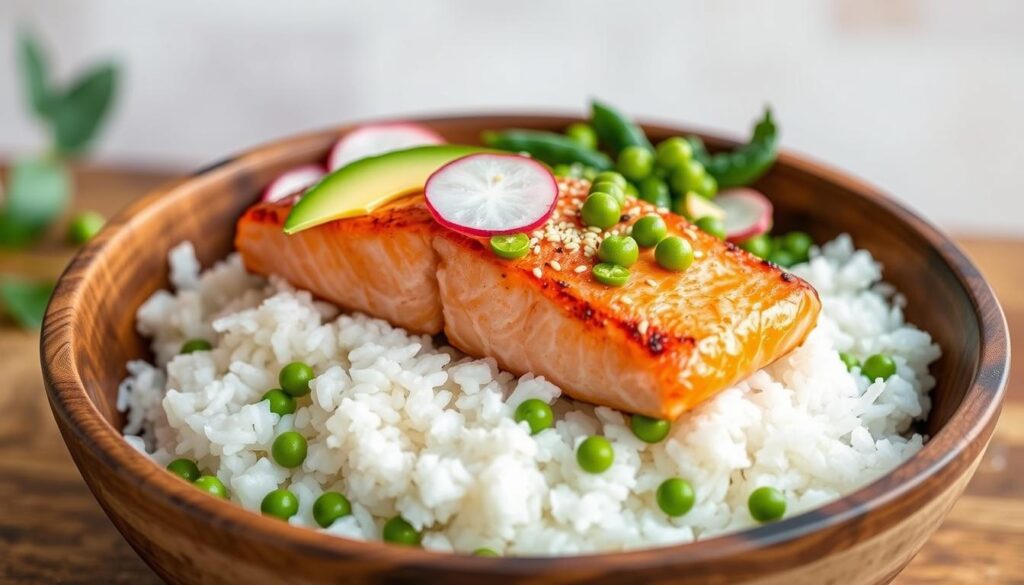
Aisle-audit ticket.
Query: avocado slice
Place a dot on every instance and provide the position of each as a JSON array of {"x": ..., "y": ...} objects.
[
  {"x": 364, "y": 185},
  {"x": 693, "y": 207}
]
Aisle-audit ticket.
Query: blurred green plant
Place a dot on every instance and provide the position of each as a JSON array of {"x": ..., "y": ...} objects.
[
  {"x": 25, "y": 302},
  {"x": 39, "y": 188}
]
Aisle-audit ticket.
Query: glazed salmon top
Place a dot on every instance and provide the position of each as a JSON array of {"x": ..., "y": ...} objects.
[{"x": 667, "y": 340}]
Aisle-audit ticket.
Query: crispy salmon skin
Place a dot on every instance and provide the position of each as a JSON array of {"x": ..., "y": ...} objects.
[{"x": 658, "y": 346}]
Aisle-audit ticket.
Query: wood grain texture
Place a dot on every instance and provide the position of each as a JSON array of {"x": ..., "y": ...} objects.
[{"x": 373, "y": 558}]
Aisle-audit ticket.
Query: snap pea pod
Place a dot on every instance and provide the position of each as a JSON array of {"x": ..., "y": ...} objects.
[
  {"x": 748, "y": 162},
  {"x": 700, "y": 152},
  {"x": 548, "y": 147},
  {"x": 615, "y": 130}
]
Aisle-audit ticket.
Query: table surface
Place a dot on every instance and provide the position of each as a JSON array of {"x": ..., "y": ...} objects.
[{"x": 53, "y": 531}]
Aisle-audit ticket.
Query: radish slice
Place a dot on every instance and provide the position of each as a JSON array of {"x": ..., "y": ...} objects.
[
  {"x": 292, "y": 182},
  {"x": 747, "y": 213},
  {"x": 377, "y": 139},
  {"x": 491, "y": 194}
]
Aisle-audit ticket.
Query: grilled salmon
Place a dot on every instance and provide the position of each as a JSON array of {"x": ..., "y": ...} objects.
[{"x": 658, "y": 346}]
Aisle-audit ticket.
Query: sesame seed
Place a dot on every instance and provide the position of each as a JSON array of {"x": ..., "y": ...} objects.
[
  {"x": 536, "y": 249},
  {"x": 643, "y": 326},
  {"x": 580, "y": 268},
  {"x": 698, "y": 254},
  {"x": 627, "y": 300},
  {"x": 651, "y": 282},
  {"x": 537, "y": 272},
  {"x": 554, "y": 264},
  {"x": 594, "y": 229}
]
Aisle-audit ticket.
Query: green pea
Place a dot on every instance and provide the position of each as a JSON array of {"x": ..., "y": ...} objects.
[
  {"x": 674, "y": 253},
  {"x": 510, "y": 246},
  {"x": 610, "y": 274},
  {"x": 798, "y": 244},
  {"x": 658, "y": 199},
  {"x": 766, "y": 504},
  {"x": 649, "y": 230},
  {"x": 211, "y": 485},
  {"x": 781, "y": 257},
  {"x": 583, "y": 134},
  {"x": 281, "y": 402},
  {"x": 536, "y": 413},
  {"x": 329, "y": 507},
  {"x": 562, "y": 170},
  {"x": 398, "y": 531},
  {"x": 760, "y": 246},
  {"x": 601, "y": 210},
  {"x": 611, "y": 177},
  {"x": 289, "y": 449},
  {"x": 674, "y": 152},
  {"x": 619, "y": 250},
  {"x": 688, "y": 177},
  {"x": 878, "y": 366},
  {"x": 280, "y": 503},
  {"x": 649, "y": 430},
  {"x": 707, "y": 188},
  {"x": 595, "y": 454},
  {"x": 194, "y": 345},
  {"x": 675, "y": 496},
  {"x": 84, "y": 226},
  {"x": 185, "y": 469},
  {"x": 711, "y": 225},
  {"x": 850, "y": 361},
  {"x": 635, "y": 162},
  {"x": 610, "y": 188},
  {"x": 655, "y": 190},
  {"x": 294, "y": 378},
  {"x": 631, "y": 191},
  {"x": 485, "y": 552}
]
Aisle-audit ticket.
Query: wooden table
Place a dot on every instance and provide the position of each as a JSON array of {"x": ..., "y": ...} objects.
[{"x": 52, "y": 531}]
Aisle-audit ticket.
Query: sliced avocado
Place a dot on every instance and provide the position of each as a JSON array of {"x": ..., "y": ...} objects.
[
  {"x": 364, "y": 185},
  {"x": 695, "y": 207}
]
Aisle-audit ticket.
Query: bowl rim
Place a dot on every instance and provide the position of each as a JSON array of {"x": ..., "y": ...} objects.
[{"x": 70, "y": 402}]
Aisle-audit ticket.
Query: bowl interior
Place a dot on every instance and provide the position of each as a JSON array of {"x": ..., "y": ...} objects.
[{"x": 203, "y": 209}]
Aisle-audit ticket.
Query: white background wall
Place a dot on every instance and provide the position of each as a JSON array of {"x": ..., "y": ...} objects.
[{"x": 924, "y": 97}]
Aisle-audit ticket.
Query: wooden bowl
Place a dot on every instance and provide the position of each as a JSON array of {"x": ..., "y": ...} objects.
[{"x": 188, "y": 537}]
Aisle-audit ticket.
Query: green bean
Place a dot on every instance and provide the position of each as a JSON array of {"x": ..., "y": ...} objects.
[
  {"x": 616, "y": 131},
  {"x": 548, "y": 147},
  {"x": 747, "y": 163}
]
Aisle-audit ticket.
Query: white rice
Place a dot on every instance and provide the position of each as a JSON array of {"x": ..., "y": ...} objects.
[{"x": 402, "y": 426}]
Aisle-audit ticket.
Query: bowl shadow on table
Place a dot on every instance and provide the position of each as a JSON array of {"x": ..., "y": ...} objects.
[{"x": 864, "y": 538}]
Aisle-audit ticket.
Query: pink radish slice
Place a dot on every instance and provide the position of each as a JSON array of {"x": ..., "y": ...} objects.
[
  {"x": 487, "y": 194},
  {"x": 292, "y": 182},
  {"x": 377, "y": 139},
  {"x": 747, "y": 213}
]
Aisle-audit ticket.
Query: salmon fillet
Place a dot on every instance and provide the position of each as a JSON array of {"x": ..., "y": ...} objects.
[{"x": 658, "y": 346}]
